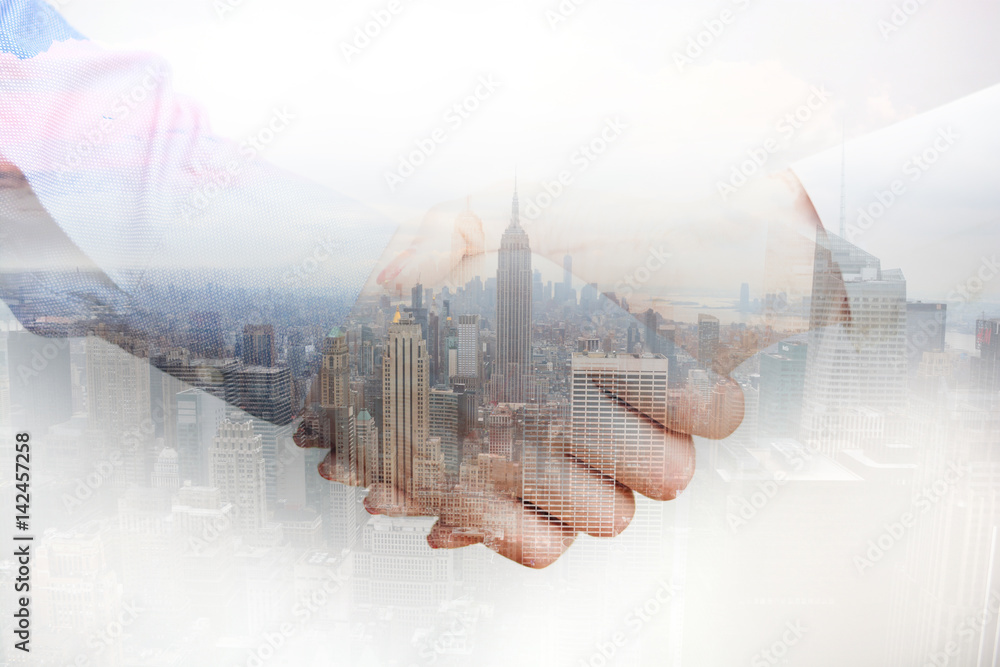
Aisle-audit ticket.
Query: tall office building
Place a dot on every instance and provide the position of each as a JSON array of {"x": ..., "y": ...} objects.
[
  {"x": 198, "y": 417},
  {"x": 369, "y": 449},
  {"x": 782, "y": 380},
  {"x": 469, "y": 349},
  {"x": 514, "y": 311},
  {"x": 745, "y": 297},
  {"x": 118, "y": 402},
  {"x": 856, "y": 362},
  {"x": 987, "y": 367},
  {"x": 258, "y": 348},
  {"x": 406, "y": 408},
  {"x": 708, "y": 340},
  {"x": 420, "y": 314},
  {"x": 651, "y": 328},
  {"x": 500, "y": 426},
  {"x": 604, "y": 429},
  {"x": 444, "y": 426},
  {"x": 263, "y": 392},
  {"x": 366, "y": 352},
  {"x": 632, "y": 338},
  {"x": 237, "y": 470},
  {"x": 335, "y": 374}
]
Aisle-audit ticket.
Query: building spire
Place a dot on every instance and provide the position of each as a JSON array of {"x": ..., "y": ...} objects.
[{"x": 515, "y": 209}]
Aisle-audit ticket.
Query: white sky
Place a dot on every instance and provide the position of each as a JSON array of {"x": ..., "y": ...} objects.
[{"x": 686, "y": 130}]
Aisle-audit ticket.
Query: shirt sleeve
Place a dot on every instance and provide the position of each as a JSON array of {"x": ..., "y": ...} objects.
[
  {"x": 119, "y": 206},
  {"x": 919, "y": 194}
]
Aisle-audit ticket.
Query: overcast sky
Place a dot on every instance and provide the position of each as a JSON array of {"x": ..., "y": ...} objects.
[{"x": 685, "y": 128}]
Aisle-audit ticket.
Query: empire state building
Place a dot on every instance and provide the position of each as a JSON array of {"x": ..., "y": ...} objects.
[{"x": 513, "y": 311}]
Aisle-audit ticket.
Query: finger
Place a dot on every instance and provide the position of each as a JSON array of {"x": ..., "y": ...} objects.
[
  {"x": 331, "y": 471},
  {"x": 624, "y": 444},
  {"x": 381, "y": 499},
  {"x": 509, "y": 526},
  {"x": 691, "y": 413},
  {"x": 578, "y": 495},
  {"x": 453, "y": 537},
  {"x": 514, "y": 529},
  {"x": 541, "y": 540}
]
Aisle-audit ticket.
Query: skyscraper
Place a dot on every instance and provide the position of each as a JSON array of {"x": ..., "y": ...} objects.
[
  {"x": 118, "y": 401},
  {"x": 469, "y": 349},
  {"x": 708, "y": 340},
  {"x": 406, "y": 408},
  {"x": 782, "y": 378},
  {"x": 198, "y": 417},
  {"x": 856, "y": 362},
  {"x": 444, "y": 426},
  {"x": 258, "y": 345},
  {"x": 986, "y": 368},
  {"x": 514, "y": 310},
  {"x": 633, "y": 338},
  {"x": 610, "y": 439},
  {"x": 335, "y": 375},
  {"x": 651, "y": 324},
  {"x": 264, "y": 392},
  {"x": 238, "y": 472}
]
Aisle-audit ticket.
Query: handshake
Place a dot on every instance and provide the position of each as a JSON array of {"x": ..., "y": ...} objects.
[{"x": 522, "y": 416}]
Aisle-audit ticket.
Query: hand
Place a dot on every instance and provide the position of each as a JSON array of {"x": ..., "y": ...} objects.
[{"x": 576, "y": 472}]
